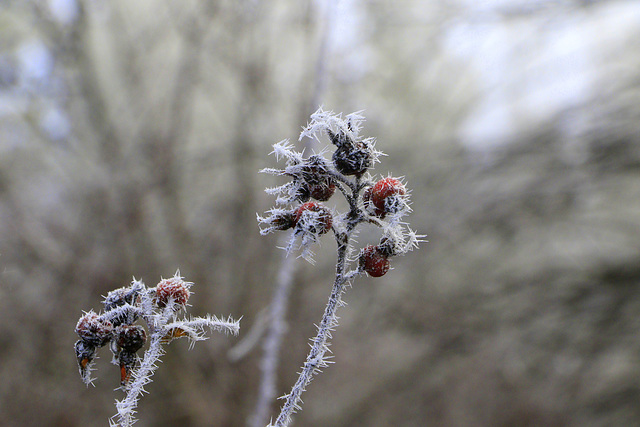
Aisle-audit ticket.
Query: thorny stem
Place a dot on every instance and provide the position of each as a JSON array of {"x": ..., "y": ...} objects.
[
  {"x": 344, "y": 190},
  {"x": 316, "y": 358},
  {"x": 142, "y": 376},
  {"x": 341, "y": 179},
  {"x": 126, "y": 407}
]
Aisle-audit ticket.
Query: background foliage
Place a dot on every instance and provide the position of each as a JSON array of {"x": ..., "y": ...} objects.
[{"x": 131, "y": 134}]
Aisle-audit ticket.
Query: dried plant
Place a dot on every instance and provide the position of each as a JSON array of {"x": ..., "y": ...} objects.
[
  {"x": 157, "y": 308},
  {"x": 383, "y": 202},
  {"x": 135, "y": 315}
]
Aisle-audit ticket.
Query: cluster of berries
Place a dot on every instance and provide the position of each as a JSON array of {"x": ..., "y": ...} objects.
[
  {"x": 122, "y": 308},
  {"x": 382, "y": 202},
  {"x": 125, "y": 308}
]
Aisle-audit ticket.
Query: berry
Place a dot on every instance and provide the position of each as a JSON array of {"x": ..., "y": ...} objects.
[
  {"x": 94, "y": 330},
  {"x": 119, "y": 297},
  {"x": 373, "y": 261},
  {"x": 175, "y": 288},
  {"x": 352, "y": 159},
  {"x": 384, "y": 194},
  {"x": 322, "y": 191},
  {"x": 320, "y": 185},
  {"x": 369, "y": 206},
  {"x": 314, "y": 217},
  {"x": 131, "y": 338}
]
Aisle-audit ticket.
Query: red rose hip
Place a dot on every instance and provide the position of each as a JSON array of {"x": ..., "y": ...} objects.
[
  {"x": 373, "y": 261},
  {"x": 175, "y": 288},
  {"x": 384, "y": 189},
  {"x": 322, "y": 191},
  {"x": 314, "y": 216}
]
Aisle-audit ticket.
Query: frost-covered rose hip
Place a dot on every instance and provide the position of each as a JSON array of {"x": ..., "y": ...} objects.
[
  {"x": 373, "y": 261},
  {"x": 175, "y": 288},
  {"x": 131, "y": 337},
  {"x": 313, "y": 217},
  {"x": 384, "y": 194},
  {"x": 94, "y": 330},
  {"x": 352, "y": 159},
  {"x": 352, "y": 156},
  {"x": 319, "y": 184},
  {"x": 322, "y": 191}
]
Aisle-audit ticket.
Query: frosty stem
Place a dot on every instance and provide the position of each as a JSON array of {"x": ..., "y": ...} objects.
[
  {"x": 126, "y": 407},
  {"x": 316, "y": 357}
]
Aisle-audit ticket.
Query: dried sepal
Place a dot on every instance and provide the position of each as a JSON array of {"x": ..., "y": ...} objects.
[
  {"x": 174, "y": 332},
  {"x": 127, "y": 361},
  {"x": 398, "y": 239},
  {"x": 324, "y": 121},
  {"x": 285, "y": 150},
  {"x": 85, "y": 354},
  {"x": 277, "y": 219}
]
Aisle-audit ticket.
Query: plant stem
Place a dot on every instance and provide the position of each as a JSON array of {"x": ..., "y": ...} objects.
[{"x": 315, "y": 359}]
